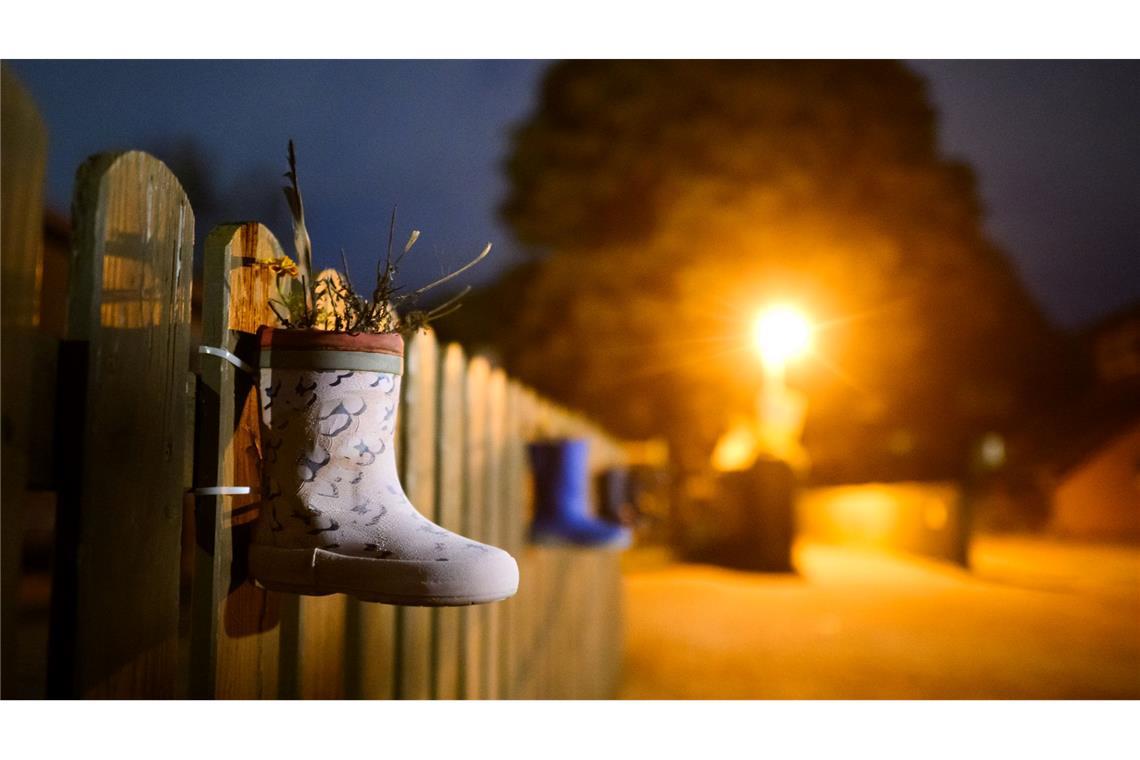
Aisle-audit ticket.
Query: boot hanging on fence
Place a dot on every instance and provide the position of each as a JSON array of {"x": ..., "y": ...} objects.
[
  {"x": 562, "y": 510},
  {"x": 615, "y": 495},
  {"x": 335, "y": 518}
]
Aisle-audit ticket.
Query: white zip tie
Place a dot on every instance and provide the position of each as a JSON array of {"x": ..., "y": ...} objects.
[
  {"x": 221, "y": 491},
  {"x": 233, "y": 359}
]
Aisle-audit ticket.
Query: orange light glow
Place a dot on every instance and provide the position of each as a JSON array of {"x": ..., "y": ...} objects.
[
  {"x": 737, "y": 448},
  {"x": 782, "y": 334}
]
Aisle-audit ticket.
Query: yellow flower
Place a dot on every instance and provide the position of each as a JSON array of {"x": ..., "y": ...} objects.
[
  {"x": 286, "y": 265},
  {"x": 283, "y": 265}
]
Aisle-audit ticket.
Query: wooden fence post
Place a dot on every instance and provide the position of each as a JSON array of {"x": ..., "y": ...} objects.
[
  {"x": 21, "y": 248},
  {"x": 493, "y": 509},
  {"x": 126, "y": 415},
  {"x": 473, "y": 627},
  {"x": 378, "y": 663},
  {"x": 418, "y": 455},
  {"x": 509, "y": 524},
  {"x": 450, "y": 473},
  {"x": 525, "y": 613},
  {"x": 321, "y": 646},
  {"x": 234, "y": 637}
]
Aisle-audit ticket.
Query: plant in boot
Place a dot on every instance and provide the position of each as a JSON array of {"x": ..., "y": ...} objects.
[
  {"x": 562, "y": 510},
  {"x": 329, "y": 301},
  {"x": 334, "y": 516}
]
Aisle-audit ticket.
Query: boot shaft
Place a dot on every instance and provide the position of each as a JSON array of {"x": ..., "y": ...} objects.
[
  {"x": 561, "y": 474},
  {"x": 327, "y": 418},
  {"x": 328, "y": 422}
]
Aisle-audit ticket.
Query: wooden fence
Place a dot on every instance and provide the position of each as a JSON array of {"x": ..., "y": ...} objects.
[{"x": 150, "y": 591}]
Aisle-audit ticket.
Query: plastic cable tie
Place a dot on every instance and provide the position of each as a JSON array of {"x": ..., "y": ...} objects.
[
  {"x": 221, "y": 491},
  {"x": 232, "y": 358}
]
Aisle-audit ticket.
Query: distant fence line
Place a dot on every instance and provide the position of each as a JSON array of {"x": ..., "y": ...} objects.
[{"x": 151, "y": 596}]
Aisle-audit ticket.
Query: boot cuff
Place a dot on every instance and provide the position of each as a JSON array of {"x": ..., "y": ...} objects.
[
  {"x": 326, "y": 340},
  {"x": 326, "y": 350}
]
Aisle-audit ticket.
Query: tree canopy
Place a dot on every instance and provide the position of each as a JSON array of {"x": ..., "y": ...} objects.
[{"x": 665, "y": 202}]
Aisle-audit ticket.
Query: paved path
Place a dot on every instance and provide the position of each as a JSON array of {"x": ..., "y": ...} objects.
[{"x": 1036, "y": 620}]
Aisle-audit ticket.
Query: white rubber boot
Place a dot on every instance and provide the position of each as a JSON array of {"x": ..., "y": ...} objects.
[{"x": 334, "y": 517}]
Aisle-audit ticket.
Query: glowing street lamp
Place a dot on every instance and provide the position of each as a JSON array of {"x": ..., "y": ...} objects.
[{"x": 782, "y": 334}]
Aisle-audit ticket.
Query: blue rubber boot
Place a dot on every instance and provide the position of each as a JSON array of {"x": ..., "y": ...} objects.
[{"x": 561, "y": 510}]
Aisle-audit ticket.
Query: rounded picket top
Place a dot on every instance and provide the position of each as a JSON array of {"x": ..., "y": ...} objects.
[{"x": 115, "y": 633}]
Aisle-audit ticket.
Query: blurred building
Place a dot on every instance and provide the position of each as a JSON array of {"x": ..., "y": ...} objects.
[{"x": 1092, "y": 471}]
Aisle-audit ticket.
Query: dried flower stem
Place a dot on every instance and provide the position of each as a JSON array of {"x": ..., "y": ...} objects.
[{"x": 331, "y": 302}]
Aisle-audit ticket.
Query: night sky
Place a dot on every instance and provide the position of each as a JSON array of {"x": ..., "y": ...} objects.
[{"x": 1055, "y": 145}]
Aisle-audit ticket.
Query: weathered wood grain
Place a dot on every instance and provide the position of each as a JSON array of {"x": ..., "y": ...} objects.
[
  {"x": 125, "y": 439},
  {"x": 525, "y": 608},
  {"x": 473, "y": 627},
  {"x": 234, "y": 638},
  {"x": 377, "y": 650},
  {"x": 531, "y": 586},
  {"x": 288, "y": 647},
  {"x": 321, "y": 647},
  {"x": 417, "y": 474},
  {"x": 24, "y": 151},
  {"x": 510, "y": 493},
  {"x": 549, "y": 599},
  {"x": 450, "y": 475},
  {"x": 494, "y": 508}
]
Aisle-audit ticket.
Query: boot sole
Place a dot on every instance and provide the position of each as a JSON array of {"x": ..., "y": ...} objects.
[{"x": 413, "y": 583}]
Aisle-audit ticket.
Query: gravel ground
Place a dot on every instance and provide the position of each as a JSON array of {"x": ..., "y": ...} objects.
[{"x": 1035, "y": 620}]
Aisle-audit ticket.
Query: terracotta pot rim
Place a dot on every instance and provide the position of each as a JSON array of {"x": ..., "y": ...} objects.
[{"x": 283, "y": 339}]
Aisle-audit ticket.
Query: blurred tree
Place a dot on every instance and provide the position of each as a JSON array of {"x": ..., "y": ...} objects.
[{"x": 665, "y": 201}]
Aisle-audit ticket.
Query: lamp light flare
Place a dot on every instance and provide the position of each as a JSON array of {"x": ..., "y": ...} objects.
[{"x": 782, "y": 334}]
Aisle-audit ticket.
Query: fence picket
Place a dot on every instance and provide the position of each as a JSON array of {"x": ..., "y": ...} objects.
[
  {"x": 474, "y": 619},
  {"x": 320, "y": 647},
  {"x": 494, "y": 507},
  {"x": 378, "y": 650},
  {"x": 235, "y": 636},
  {"x": 530, "y": 586},
  {"x": 418, "y": 463},
  {"x": 450, "y": 472},
  {"x": 510, "y": 494},
  {"x": 21, "y": 247},
  {"x": 126, "y": 408}
]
